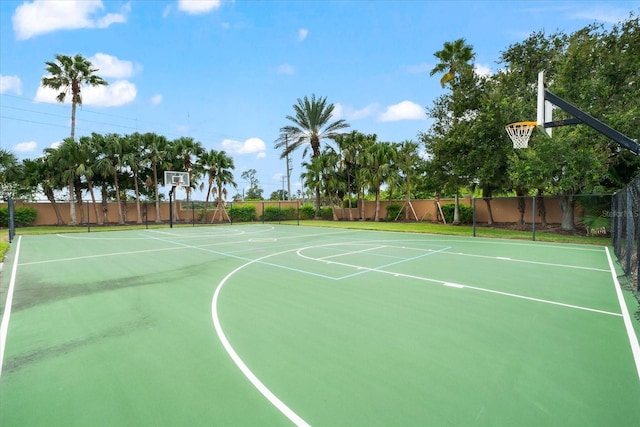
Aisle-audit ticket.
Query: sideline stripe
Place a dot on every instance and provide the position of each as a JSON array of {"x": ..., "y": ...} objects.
[
  {"x": 275, "y": 401},
  {"x": 633, "y": 339},
  {"x": 4, "y": 326}
]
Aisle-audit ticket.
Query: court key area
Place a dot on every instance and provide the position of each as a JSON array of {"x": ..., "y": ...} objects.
[{"x": 276, "y": 325}]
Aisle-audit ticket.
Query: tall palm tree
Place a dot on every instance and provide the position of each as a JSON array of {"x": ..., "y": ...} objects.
[
  {"x": 109, "y": 165},
  {"x": 86, "y": 167},
  {"x": 407, "y": 160},
  {"x": 133, "y": 158},
  {"x": 310, "y": 125},
  {"x": 453, "y": 57},
  {"x": 217, "y": 167},
  {"x": 155, "y": 148},
  {"x": 378, "y": 165},
  {"x": 68, "y": 74}
]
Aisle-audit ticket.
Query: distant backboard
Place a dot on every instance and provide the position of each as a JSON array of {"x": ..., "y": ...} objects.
[
  {"x": 176, "y": 179},
  {"x": 545, "y": 108}
]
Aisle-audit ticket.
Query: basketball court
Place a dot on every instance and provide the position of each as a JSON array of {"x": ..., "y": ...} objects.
[{"x": 272, "y": 325}]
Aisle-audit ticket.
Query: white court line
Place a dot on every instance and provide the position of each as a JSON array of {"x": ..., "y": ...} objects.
[
  {"x": 350, "y": 253},
  {"x": 4, "y": 326},
  {"x": 633, "y": 339},
  {"x": 525, "y": 261},
  {"x": 272, "y": 398}
]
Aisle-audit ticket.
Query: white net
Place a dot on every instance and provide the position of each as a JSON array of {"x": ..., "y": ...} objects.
[{"x": 520, "y": 133}]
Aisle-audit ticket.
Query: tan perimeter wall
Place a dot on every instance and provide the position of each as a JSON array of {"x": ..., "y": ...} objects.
[{"x": 505, "y": 210}]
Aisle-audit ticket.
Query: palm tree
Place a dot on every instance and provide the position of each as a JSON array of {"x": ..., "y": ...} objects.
[
  {"x": 378, "y": 165},
  {"x": 67, "y": 74},
  {"x": 217, "y": 166},
  {"x": 86, "y": 167},
  {"x": 155, "y": 147},
  {"x": 109, "y": 165},
  {"x": 311, "y": 124},
  {"x": 453, "y": 57},
  {"x": 407, "y": 160},
  {"x": 132, "y": 158},
  {"x": 10, "y": 173},
  {"x": 38, "y": 173},
  {"x": 64, "y": 161}
]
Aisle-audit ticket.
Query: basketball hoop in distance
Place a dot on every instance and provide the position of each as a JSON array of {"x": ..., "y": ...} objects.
[{"x": 520, "y": 132}]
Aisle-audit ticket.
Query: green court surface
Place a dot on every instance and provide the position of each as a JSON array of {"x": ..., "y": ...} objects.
[{"x": 276, "y": 325}]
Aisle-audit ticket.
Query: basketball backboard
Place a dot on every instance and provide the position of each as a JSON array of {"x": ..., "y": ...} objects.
[
  {"x": 176, "y": 179},
  {"x": 545, "y": 108}
]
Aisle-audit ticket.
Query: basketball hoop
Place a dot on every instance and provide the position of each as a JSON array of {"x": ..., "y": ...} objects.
[{"x": 520, "y": 133}]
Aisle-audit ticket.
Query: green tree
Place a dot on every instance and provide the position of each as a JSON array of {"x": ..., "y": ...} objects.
[
  {"x": 64, "y": 160},
  {"x": 310, "y": 125},
  {"x": 68, "y": 74},
  {"x": 109, "y": 164},
  {"x": 254, "y": 192}
]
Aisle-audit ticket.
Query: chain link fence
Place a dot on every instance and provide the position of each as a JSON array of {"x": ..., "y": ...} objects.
[{"x": 625, "y": 230}]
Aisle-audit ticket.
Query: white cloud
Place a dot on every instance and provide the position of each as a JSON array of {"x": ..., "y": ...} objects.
[
  {"x": 302, "y": 34},
  {"x": 600, "y": 13},
  {"x": 27, "y": 146},
  {"x": 348, "y": 113},
  {"x": 10, "y": 84},
  {"x": 156, "y": 99},
  {"x": 45, "y": 16},
  {"x": 118, "y": 93},
  {"x": 419, "y": 68},
  {"x": 405, "y": 110},
  {"x": 286, "y": 69},
  {"x": 196, "y": 7},
  {"x": 482, "y": 70},
  {"x": 110, "y": 66},
  {"x": 250, "y": 146}
]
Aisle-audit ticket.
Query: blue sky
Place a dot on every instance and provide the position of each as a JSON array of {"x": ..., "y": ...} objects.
[{"x": 228, "y": 72}]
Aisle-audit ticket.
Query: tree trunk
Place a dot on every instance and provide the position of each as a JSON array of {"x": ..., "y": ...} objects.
[
  {"x": 52, "y": 199},
  {"x": 521, "y": 205},
  {"x": 93, "y": 201},
  {"x": 376, "y": 215},
  {"x": 487, "y": 200},
  {"x": 155, "y": 186},
  {"x": 72, "y": 205},
  {"x": 119, "y": 203},
  {"x": 567, "y": 205},
  {"x": 105, "y": 206},
  {"x": 456, "y": 210},
  {"x": 137, "y": 191},
  {"x": 542, "y": 209}
]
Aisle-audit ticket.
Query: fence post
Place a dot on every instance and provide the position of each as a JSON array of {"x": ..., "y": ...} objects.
[{"x": 533, "y": 218}]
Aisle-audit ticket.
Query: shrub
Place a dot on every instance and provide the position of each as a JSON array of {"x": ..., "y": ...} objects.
[
  {"x": 307, "y": 212},
  {"x": 22, "y": 216},
  {"x": 465, "y": 212},
  {"x": 246, "y": 213},
  {"x": 326, "y": 213},
  {"x": 274, "y": 213},
  {"x": 393, "y": 211}
]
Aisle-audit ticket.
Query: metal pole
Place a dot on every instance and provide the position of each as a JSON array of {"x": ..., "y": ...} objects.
[
  {"x": 474, "y": 217},
  {"x": 88, "y": 218},
  {"x": 533, "y": 219},
  {"x": 171, "y": 207}
]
